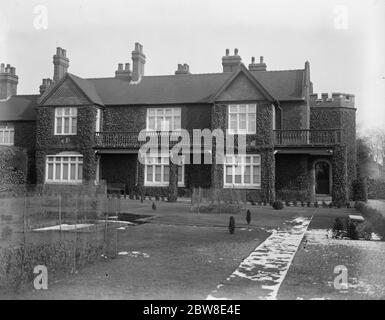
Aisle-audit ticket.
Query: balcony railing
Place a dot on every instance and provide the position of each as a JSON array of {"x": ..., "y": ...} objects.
[
  {"x": 127, "y": 139},
  {"x": 307, "y": 137}
]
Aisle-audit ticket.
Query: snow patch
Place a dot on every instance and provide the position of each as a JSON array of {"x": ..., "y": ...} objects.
[
  {"x": 65, "y": 227},
  {"x": 270, "y": 261}
]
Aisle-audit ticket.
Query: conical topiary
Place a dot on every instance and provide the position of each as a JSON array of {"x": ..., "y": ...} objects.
[
  {"x": 231, "y": 225},
  {"x": 248, "y": 216}
]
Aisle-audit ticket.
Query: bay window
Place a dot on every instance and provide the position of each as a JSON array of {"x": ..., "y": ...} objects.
[
  {"x": 66, "y": 121},
  {"x": 64, "y": 168},
  {"x": 242, "y": 171},
  {"x": 242, "y": 118}
]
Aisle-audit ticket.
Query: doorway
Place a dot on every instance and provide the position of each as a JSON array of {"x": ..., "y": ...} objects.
[{"x": 322, "y": 177}]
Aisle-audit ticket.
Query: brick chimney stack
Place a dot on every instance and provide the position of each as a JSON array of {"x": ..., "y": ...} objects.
[
  {"x": 123, "y": 73},
  {"x": 138, "y": 61},
  {"x": 60, "y": 63},
  {"x": 45, "y": 84},
  {"x": 8, "y": 81},
  {"x": 231, "y": 63},
  {"x": 261, "y": 66},
  {"x": 183, "y": 69}
]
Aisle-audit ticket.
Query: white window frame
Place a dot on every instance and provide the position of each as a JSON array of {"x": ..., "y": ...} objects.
[
  {"x": 60, "y": 113},
  {"x": 7, "y": 134},
  {"x": 239, "y": 161},
  {"x": 161, "y": 113},
  {"x": 165, "y": 161},
  {"x": 236, "y": 110},
  {"x": 59, "y": 160},
  {"x": 98, "y": 126}
]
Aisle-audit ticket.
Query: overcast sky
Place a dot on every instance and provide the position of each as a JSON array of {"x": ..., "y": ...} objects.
[{"x": 342, "y": 39}]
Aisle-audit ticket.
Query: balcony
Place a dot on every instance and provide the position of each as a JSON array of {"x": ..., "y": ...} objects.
[
  {"x": 127, "y": 139},
  {"x": 295, "y": 138}
]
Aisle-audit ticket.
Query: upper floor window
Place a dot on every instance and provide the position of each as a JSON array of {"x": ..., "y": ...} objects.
[
  {"x": 7, "y": 133},
  {"x": 98, "y": 120},
  {"x": 243, "y": 171},
  {"x": 64, "y": 168},
  {"x": 163, "y": 119},
  {"x": 157, "y": 171},
  {"x": 242, "y": 118},
  {"x": 66, "y": 121}
]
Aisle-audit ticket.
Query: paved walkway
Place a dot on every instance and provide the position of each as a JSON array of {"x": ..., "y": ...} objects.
[{"x": 261, "y": 274}]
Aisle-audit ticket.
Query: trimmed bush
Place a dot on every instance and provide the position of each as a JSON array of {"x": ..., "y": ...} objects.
[
  {"x": 360, "y": 190},
  {"x": 351, "y": 231},
  {"x": 153, "y": 206},
  {"x": 231, "y": 225},
  {"x": 248, "y": 216},
  {"x": 287, "y": 203},
  {"x": 316, "y": 204},
  {"x": 324, "y": 204},
  {"x": 277, "y": 205},
  {"x": 308, "y": 204}
]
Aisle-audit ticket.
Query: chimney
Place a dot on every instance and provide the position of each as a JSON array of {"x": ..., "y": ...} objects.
[
  {"x": 231, "y": 63},
  {"x": 45, "y": 84},
  {"x": 183, "y": 69},
  {"x": 60, "y": 63},
  {"x": 123, "y": 73},
  {"x": 8, "y": 81},
  {"x": 138, "y": 61},
  {"x": 261, "y": 66}
]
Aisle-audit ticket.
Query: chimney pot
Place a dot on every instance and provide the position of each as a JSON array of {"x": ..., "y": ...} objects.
[
  {"x": 138, "y": 61},
  {"x": 9, "y": 81},
  {"x": 252, "y": 59},
  {"x": 235, "y": 51},
  {"x": 127, "y": 66},
  {"x": 120, "y": 66},
  {"x": 261, "y": 59},
  {"x": 227, "y": 52}
]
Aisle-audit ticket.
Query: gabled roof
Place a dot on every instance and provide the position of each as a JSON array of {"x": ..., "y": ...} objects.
[
  {"x": 242, "y": 70},
  {"x": 86, "y": 87},
  {"x": 20, "y": 107},
  {"x": 285, "y": 85}
]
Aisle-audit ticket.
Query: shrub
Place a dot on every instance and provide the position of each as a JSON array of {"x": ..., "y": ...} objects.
[
  {"x": 277, "y": 205},
  {"x": 360, "y": 190},
  {"x": 365, "y": 230},
  {"x": 248, "y": 216},
  {"x": 287, "y": 203},
  {"x": 376, "y": 188},
  {"x": 156, "y": 198},
  {"x": 324, "y": 204},
  {"x": 231, "y": 225},
  {"x": 373, "y": 216},
  {"x": 295, "y": 203},
  {"x": 308, "y": 204},
  {"x": 302, "y": 203},
  {"x": 331, "y": 205},
  {"x": 252, "y": 203},
  {"x": 316, "y": 204},
  {"x": 338, "y": 225},
  {"x": 153, "y": 206},
  {"x": 351, "y": 231}
]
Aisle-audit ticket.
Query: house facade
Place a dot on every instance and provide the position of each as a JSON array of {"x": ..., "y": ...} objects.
[{"x": 298, "y": 143}]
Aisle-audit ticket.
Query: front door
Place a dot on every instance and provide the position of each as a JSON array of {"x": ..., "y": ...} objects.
[{"x": 322, "y": 178}]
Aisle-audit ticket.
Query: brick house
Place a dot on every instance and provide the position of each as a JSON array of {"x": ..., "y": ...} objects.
[{"x": 299, "y": 144}]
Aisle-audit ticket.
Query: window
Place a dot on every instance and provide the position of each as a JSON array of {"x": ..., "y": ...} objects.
[
  {"x": 157, "y": 171},
  {"x": 242, "y": 171},
  {"x": 66, "y": 121},
  {"x": 7, "y": 133},
  {"x": 98, "y": 120},
  {"x": 242, "y": 118},
  {"x": 163, "y": 119},
  {"x": 64, "y": 168}
]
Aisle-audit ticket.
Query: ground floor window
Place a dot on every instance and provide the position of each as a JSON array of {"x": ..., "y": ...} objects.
[
  {"x": 64, "y": 168},
  {"x": 242, "y": 171},
  {"x": 157, "y": 171},
  {"x": 7, "y": 133}
]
